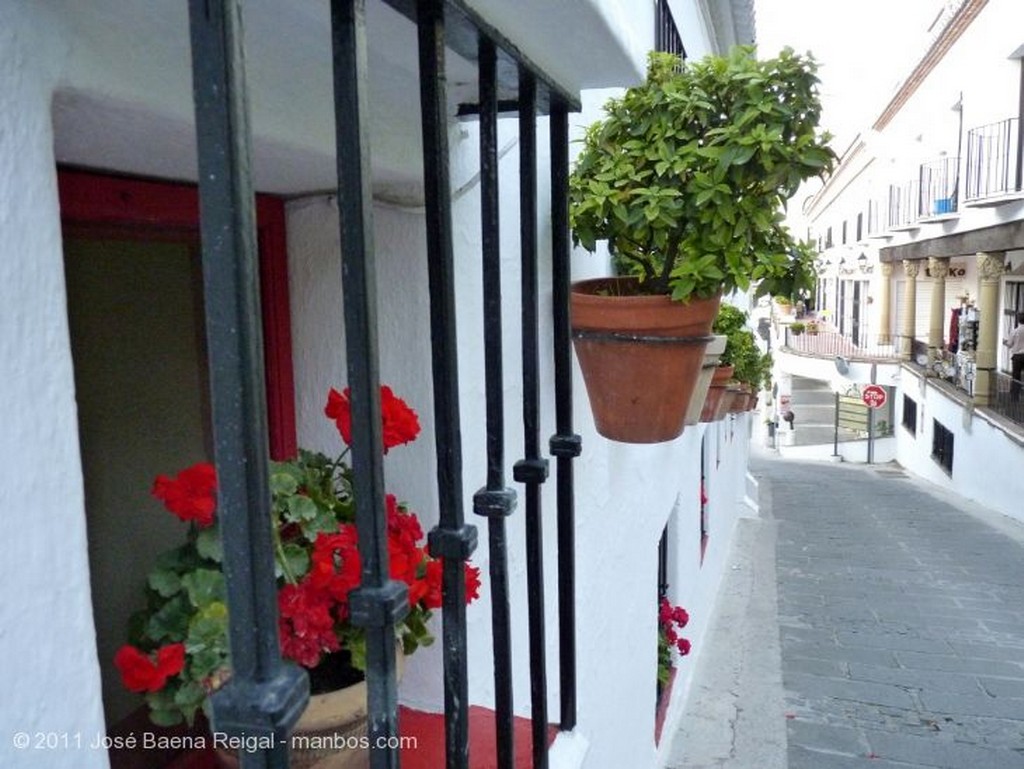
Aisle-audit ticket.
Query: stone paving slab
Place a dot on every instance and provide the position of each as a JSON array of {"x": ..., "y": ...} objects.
[
  {"x": 896, "y": 631},
  {"x": 900, "y": 622}
]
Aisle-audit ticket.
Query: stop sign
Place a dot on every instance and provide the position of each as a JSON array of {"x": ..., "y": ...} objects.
[{"x": 874, "y": 396}]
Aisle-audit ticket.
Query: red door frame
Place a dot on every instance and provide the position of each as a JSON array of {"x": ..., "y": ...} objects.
[{"x": 137, "y": 208}]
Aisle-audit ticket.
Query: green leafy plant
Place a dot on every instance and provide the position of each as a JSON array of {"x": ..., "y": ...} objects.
[
  {"x": 177, "y": 653},
  {"x": 750, "y": 365},
  {"x": 688, "y": 174},
  {"x": 796, "y": 280},
  {"x": 796, "y": 328}
]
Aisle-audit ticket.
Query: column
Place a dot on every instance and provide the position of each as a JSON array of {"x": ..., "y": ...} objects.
[
  {"x": 990, "y": 270},
  {"x": 911, "y": 268},
  {"x": 938, "y": 268},
  {"x": 885, "y": 305}
]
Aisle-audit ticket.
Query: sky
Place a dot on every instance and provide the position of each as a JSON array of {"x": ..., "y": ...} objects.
[{"x": 865, "y": 48}]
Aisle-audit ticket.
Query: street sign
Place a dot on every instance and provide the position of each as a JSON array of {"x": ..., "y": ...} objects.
[{"x": 874, "y": 396}]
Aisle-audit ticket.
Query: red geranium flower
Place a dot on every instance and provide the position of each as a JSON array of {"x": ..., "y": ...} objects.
[
  {"x": 433, "y": 596},
  {"x": 305, "y": 623},
  {"x": 191, "y": 495},
  {"x": 140, "y": 673},
  {"x": 399, "y": 422}
]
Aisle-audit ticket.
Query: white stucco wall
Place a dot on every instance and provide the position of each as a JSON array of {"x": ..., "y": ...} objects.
[
  {"x": 624, "y": 495},
  {"x": 986, "y": 463},
  {"x": 49, "y": 673}
]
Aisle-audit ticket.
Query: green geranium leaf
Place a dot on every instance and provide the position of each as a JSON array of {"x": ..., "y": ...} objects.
[
  {"x": 170, "y": 621},
  {"x": 296, "y": 558},
  {"x": 283, "y": 482},
  {"x": 209, "y": 545},
  {"x": 301, "y": 508},
  {"x": 204, "y": 586},
  {"x": 165, "y": 582}
]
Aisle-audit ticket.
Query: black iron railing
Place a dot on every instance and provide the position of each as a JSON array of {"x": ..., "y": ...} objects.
[
  {"x": 993, "y": 160},
  {"x": 266, "y": 696},
  {"x": 1006, "y": 397},
  {"x": 903, "y": 205},
  {"x": 938, "y": 185},
  {"x": 666, "y": 33}
]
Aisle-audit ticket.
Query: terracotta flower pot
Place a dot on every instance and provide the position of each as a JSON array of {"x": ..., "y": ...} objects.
[
  {"x": 715, "y": 394},
  {"x": 738, "y": 402},
  {"x": 640, "y": 357},
  {"x": 330, "y": 734},
  {"x": 712, "y": 353}
]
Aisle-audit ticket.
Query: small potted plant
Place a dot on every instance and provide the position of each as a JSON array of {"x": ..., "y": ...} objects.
[
  {"x": 813, "y": 328},
  {"x": 686, "y": 178},
  {"x": 177, "y": 653},
  {"x": 796, "y": 328}
]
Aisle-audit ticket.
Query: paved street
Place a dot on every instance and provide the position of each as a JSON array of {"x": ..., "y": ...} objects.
[{"x": 900, "y": 612}]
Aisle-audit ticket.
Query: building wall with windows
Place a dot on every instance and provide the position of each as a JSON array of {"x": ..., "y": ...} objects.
[{"x": 936, "y": 172}]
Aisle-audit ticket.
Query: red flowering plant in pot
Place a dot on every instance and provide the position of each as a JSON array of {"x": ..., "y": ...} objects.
[{"x": 178, "y": 647}]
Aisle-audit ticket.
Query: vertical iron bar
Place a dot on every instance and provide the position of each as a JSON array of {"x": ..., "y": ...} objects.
[
  {"x": 379, "y": 602},
  {"x": 532, "y": 470},
  {"x": 265, "y": 697},
  {"x": 663, "y": 564},
  {"x": 452, "y": 539},
  {"x": 565, "y": 444},
  {"x": 495, "y": 501},
  {"x": 1019, "y": 168}
]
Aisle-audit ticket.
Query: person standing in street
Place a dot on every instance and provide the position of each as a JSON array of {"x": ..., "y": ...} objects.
[{"x": 1015, "y": 341}]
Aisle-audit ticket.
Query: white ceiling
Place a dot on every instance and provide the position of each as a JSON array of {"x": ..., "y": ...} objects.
[{"x": 125, "y": 100}]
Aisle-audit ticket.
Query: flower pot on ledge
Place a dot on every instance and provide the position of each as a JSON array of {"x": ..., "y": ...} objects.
[
  {"x": 641, "y": 357},
  {"x": 332, "y": 731},
  {"x": 716, "y": 393},
  {"x": 712, "y": 353}
]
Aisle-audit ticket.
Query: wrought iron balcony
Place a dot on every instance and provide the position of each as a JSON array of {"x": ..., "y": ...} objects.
[
  {"x": 904, "y": 205},
  {"x": 993, "y": 161},
  {"x": 666, "y": 33},
  {"x": 829, "y": 342},
  {"x": 939, "y": 184}
]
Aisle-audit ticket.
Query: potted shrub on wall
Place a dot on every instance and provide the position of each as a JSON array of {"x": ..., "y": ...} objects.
[{"x": 686, "y": 178}]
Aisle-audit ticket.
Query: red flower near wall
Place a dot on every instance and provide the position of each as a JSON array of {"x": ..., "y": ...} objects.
[
  {"x": 141, "y": 673},
  {"x": 191, "y": 494},
  {"x": 400, "y": 424}
]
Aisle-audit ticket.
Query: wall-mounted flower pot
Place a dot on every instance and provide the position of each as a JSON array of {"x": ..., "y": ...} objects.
[
  {"x": 712, "y": 353},
  {"x": 715, "y": 393},
  {"x": 738, "y": 399},
  {"x": 640, "y": 356}
]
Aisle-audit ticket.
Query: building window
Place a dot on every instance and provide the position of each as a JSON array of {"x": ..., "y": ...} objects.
[
  {"x": 844, "y": 232},
  {"x": 942, "y": 446},
  {"x": 860, "y": 227},
  {"x": 910, "y": 414},
  {"x": 828, "y": 238}
]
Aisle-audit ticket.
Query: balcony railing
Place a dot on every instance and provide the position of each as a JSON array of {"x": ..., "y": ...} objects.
[
  {"x": 829, "y": 343},
  {"x": 876, "y": 218},
  {"x": 264, "y": 697},
  {"x": 904, "y": 204},
  {"x": 1005, "y": 399},
  {"x": 939, "y": 183},
  {"x": 666, "y": 34},
  {"x": 993, "y": 160}
]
